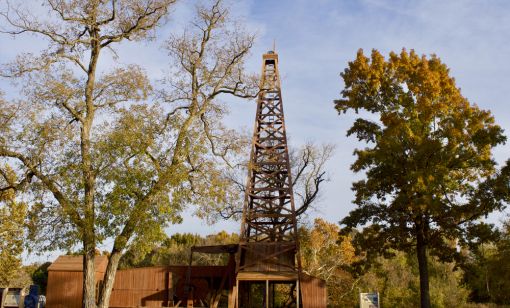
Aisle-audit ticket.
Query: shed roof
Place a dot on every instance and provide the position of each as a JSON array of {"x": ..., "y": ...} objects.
[{"x": 75, "y": 264}]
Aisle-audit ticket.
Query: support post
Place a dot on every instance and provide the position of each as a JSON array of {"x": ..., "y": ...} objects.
[
  {"x": 237, "y": 293},
  {"x": 267, "y": 293},
  {"x": 297, "y": 293}
]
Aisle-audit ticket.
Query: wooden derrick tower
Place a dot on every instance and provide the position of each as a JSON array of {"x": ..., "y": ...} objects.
[
  {"x": 266, "y": 272},
  {"x": 268, "y": 263}
]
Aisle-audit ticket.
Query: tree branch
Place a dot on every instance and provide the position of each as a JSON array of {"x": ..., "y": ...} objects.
[{"x": 50, "y": 184}]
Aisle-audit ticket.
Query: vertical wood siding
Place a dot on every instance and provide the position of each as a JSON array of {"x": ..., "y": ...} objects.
[{"x": 313, "y": 292}]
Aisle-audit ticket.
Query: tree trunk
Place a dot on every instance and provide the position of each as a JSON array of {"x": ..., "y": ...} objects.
[
  {"x": 89, "y": 178},
  {"x": 421, "y": 251},
  {"x": 89, "y": 276},
  {"x": 109, "y": 279}
]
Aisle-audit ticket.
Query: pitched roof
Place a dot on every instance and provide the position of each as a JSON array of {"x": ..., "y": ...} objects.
[{"x": 75, "y": 264}]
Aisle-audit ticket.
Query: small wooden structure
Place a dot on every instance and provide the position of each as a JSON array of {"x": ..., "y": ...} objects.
[
  {"x": 165, "y": 286},
  {"x": 65, "y": 280},
  {"x": 159, "y": 286}
]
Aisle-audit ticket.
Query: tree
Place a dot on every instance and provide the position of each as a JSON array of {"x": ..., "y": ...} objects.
[
  {"x": 309, "y": 171},
  {"x": 326, "y": 254},
  {"x": 308, "y": 168},
  {"x": 12, "y": 219},
  {"x": 430, "y": 174},
  {"x": 40, "y": 276},
  {"x": 176, "y": 249},
  {"x": 486, "y": 269},
  {"x": 396, "y": 278},
  {"x": 96, "y": 159}
]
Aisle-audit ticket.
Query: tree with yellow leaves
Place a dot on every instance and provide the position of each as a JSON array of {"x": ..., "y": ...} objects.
[
  {"x": 430, "y": 174},
  {"x": 326, "y": 254},
  {"x": 12, "y": 219}
]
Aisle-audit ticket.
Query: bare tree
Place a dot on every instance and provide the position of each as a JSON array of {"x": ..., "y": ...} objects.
[{"x": 308, "y": 167}]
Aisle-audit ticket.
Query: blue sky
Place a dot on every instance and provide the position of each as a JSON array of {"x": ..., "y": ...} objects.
[{"x": 316, "y": 39}]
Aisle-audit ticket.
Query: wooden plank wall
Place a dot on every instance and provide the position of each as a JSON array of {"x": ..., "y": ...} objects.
[
  {"x": 313, "y": 292},
  {"x": 140, "y": 286},
  {"x": 256, "y": 257},
  {"x": 155, "y": 286},
  {"x": 149, "y": 286},
  {"x": 64, "y": 289},
  {"x": 75, "y": 264}
]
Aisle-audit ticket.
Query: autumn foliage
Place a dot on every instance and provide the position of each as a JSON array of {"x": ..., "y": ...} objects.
[{"x": 430, "y": 173}]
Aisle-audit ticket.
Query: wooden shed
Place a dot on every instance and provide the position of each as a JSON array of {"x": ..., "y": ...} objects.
[
  {"x": 65, "y": 281},
  {"x": 163, "y": 286},
  {"x": 158, "y": 286}
]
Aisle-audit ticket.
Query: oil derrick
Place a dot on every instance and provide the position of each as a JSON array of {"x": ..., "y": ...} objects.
[{"x": 268, "y": 263}]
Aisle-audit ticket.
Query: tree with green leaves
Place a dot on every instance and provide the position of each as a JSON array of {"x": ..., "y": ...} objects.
[
  {"x": 12, "y": 220},
  {"x": 396, "y": 278},
  {"x": 486, "y": 270},
  {"x": 430, "y": 174},
  {"x": 39, "y": 274},
  {"x": 176, "y": 249},
  {"x": 104, "y": 154}
]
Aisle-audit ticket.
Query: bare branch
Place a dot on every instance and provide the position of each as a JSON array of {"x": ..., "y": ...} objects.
[
  {"x": 311, "y": 196},
  {"x": 75, "y": 60},
  {"x": 59, "y": 8},
  {"x": 145, "y": 21},
  {"x": 112, "y": 17},
  {"x": 72, "y": 111}
]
